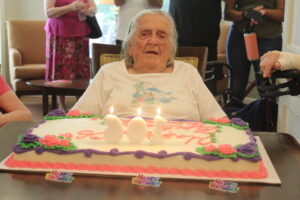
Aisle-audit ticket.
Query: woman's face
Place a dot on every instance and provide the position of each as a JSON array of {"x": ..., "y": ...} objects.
[{"x": 150, "y": 46}]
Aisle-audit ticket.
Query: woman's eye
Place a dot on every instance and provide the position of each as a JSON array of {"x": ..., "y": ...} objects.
[{"x": 144, "y": 34}]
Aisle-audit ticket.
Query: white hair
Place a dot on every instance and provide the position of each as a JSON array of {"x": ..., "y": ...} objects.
[{"x": 133, "y": 28}]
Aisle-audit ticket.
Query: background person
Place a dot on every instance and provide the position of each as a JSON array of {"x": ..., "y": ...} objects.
[
  {"x": 67, "y": 42},
  {"x": 276, "y": 60},
  {"x": 198, "y": 24},
  {"x": 11, "y": 107},
  {"x": 149, "y": 78},
  {"x": 269, "y": 37},
  {"x": 127, "y": 10}
]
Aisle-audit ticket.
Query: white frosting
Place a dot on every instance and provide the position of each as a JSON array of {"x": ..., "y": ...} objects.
[{"x": 178, "y": 137}]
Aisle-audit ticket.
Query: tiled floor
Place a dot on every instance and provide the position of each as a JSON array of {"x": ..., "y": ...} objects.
[{"x": 34, "y": 103}]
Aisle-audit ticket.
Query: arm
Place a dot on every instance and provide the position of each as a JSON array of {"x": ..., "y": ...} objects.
[
  {"x": 14, "y": 109},
  {"x": 119, "y": 2},
  {"x": 52, "y": 12},
  {"x": 277, "y": 14},
  {"x": 90, "y": 9},
  {"x": 155, "y": 3},
  {"x": 276, "y": 60},
  {"x": 208, "y": 107},
  {"x": 94, "y": 97},
  {"x": 230, "y": 13}
]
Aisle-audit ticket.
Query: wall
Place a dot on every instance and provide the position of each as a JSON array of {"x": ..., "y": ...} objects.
[
  {"x": 289, "y": 110},
  {"x": 16, "y": 9}
]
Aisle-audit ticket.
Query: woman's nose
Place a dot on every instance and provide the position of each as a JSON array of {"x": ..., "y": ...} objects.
[{"x": 153, "y": 40}]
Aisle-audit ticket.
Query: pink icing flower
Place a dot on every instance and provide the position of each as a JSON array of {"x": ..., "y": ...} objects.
[
  {"x": 223, "y": 120},
  {"x": 210, "y": 148},
  {"x": 212, "y": 119},
  {"x": 88, "y": 113},
  {"x": 226, "y": 149},
  {"x": 50, "y": 140},
  {"x": 64, "y": 142},
  {"x": 66, "y": 135},
  {"x": 74, "y": 113}
]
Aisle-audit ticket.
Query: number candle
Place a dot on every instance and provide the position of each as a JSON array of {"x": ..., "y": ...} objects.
[
  {"x": 158, "y": 123},
  {"x": 136, "y": 130},
  {"x": 114, "y": 131}
]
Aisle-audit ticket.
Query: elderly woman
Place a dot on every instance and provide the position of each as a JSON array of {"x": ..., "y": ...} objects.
[{"x": 149, "y": 78}]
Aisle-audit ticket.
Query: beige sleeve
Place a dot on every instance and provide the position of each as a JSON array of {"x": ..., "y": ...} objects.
[{"x": 289, "y": 60}]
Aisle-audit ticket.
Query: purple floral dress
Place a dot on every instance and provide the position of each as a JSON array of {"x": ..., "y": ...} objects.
[
  {"x": 67, "y": 58},
  {"x": 67, "y": 46}
]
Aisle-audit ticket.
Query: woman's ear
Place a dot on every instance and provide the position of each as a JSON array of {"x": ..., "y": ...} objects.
[{"x": 129, "y": 49}]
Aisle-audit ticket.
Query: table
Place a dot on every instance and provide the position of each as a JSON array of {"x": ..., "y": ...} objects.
[
  {"x": 73, "y": 88},
  {"x": 282, "y": 148}
]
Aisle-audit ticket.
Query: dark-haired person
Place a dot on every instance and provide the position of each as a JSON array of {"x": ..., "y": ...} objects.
[{"x": 269, "y": 37}]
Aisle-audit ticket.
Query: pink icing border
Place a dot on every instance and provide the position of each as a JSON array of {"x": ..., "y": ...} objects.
[{"x": 262, "y": 173}]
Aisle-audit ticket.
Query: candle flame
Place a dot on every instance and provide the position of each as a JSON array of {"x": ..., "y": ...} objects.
[
  {"x": 111, "y": 110},
  {"x": 139, "y": 112},
  {"x": 158, "y": 111}
]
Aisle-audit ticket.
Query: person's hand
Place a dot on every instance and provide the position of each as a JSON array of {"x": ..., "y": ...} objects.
[
  {"x": 91, "y": 11},
  {"x": 259, "y": 9},
  {"x": 78, "y": 5},
  {"x": 269, "y": 63}
]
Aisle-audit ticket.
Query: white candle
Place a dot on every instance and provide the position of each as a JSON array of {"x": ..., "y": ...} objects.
[
  {"x": 114, "y": 131},
  {"x": 158, "y": 123},
  {"x": 137, "y": 130}
]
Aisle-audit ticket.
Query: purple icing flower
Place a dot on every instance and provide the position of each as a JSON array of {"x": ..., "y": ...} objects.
[
  {"x": 249, "y": 148},
  {"x": 57, "y": 112},
  {"x": 238, "y": 122},
  {"x": 29, "y": 138}
]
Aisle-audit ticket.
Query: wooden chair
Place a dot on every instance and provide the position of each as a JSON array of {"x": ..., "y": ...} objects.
[
  {"x": 199, "y": 52},
  {"x": 98, "y": 50},
  {"x": 189, "y": 54},
  {"x": 108, "y": 58}
]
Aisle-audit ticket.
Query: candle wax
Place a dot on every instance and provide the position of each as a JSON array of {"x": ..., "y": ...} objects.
[
  {"x": 114, "y": 131},
  {"x": 136, "y": 130}
]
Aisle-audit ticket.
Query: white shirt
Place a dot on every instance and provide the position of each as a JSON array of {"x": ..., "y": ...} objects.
[
  {"x": 289, "y": 60},
  {"x": 180, "y": 94},
  {"x": 126, "y": 12}
]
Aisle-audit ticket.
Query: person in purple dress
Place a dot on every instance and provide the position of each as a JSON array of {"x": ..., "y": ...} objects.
[{"x": 67, "y": 42}]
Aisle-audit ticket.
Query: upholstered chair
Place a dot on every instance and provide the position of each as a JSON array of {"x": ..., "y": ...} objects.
[
  {"x": 224, "y": 29},
  {"x": 26, "y": 51}
]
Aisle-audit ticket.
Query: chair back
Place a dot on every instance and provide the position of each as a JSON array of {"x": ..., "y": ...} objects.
[
  {"x": 29, "y": 38},
  {"x": 108, "y": 58},
  {"x": 98, "y": 50},
  {"x": 187, "y": 54},
  {"x": 199, "y": 52},
  {"x": 224, "y": 30}
]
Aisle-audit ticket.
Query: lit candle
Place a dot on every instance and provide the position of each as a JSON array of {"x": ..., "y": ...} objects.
[
  {"x": 158, "y": 123},
  {"x": 136, "y": 130},
  {"x": 114, "y": 131}
]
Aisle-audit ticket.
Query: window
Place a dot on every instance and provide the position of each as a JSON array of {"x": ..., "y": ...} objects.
[{"x": 106, "y": 15}]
